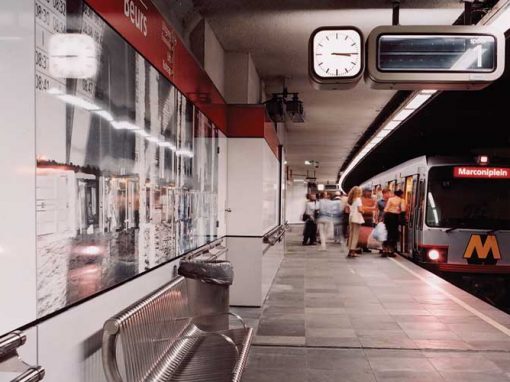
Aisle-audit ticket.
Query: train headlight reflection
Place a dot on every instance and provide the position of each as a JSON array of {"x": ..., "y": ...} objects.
[{"x": 433, "y": 254}]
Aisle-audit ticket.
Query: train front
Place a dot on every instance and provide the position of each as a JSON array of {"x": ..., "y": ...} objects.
[{"x": 466, "y": 222}]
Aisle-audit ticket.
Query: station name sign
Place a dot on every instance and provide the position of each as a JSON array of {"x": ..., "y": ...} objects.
[{"x": 482, "y": 172}]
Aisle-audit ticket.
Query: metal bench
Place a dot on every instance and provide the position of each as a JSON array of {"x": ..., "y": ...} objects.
[{"x": 160, "y": 341}]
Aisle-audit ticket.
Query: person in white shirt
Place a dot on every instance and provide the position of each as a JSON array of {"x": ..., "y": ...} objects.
[{"x": 355, "y": 219}]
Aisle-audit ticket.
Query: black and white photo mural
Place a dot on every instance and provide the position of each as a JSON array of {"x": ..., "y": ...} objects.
[{"x": 126, "y": 165}]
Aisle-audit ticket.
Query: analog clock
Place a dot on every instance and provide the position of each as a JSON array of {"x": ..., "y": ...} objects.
[{"x": 336, "y": 57}]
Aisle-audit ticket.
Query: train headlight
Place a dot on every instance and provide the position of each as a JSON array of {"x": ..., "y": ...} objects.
[{"x": 433, "y": 254}]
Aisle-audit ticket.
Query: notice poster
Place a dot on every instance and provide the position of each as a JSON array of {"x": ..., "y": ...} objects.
[{"x": 126, "y": 165}]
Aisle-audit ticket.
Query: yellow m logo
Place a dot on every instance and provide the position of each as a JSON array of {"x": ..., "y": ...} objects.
[{"x": 482, "y": 250}]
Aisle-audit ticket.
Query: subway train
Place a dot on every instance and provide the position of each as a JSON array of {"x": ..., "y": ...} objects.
[{"x": 458, "y": 213}]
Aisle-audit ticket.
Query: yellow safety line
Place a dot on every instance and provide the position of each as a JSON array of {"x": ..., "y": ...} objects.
[{"x": 458, "y": 301}]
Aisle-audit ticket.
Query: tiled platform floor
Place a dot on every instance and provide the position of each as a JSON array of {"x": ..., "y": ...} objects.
[{"x": 330, "y": 318}]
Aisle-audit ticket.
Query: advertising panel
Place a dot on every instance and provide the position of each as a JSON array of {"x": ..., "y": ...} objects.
[{"x": 126, "y": 164}]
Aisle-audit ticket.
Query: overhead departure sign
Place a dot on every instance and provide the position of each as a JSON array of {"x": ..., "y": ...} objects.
[
  {"x": 481, "y": 172},
  {"x": 436, "y": 53},
  {"x": 434, "y": 57}
]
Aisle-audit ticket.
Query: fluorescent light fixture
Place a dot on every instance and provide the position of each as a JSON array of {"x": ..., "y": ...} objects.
[
  {"x": 78, "y": 102},
  {"x": 104, "y": 114},
  {"x": 391, "y": 125},
  {"x": 124, "y": 125},
  {"x": 501, "y": 20},
  {"x": 375, "y": 140},
  {"x": 72, "y": 55},
  {"x": 417, "y": 101},
  {"x": 383, "y": 133},
  {"x": 402, "y": 115}
]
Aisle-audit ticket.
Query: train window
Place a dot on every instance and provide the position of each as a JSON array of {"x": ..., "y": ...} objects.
[{"x": 467, "y": 203}]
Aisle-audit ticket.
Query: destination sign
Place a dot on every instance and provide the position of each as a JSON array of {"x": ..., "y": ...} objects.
[
  {"x": 482, "y": 172},
  {"x": 434, "y": 57},
  {"x": 441, "y": 53}
]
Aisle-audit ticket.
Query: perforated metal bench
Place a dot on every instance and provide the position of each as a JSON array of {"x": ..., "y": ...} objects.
[{"x": 156, "y": 339}]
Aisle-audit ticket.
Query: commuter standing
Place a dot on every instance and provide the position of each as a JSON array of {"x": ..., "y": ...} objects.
[
  {"x": 325, "y": 219},
  {"x": 345, "y": 216},
  {"x": 310, "y": 230},
  {"x": 355, "y": 219},
  {"x": 381, "y": 204},
  {"x": 338, "y": 212},
  {"x": 392, "y": 212},
  {"x": 369, "y": 211}
]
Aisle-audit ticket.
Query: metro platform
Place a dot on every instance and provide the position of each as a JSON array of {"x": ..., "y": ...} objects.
[{"x": 330, "y": 318}]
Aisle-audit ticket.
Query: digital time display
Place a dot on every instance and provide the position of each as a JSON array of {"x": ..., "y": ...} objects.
[{"x": 436, "y": 53}]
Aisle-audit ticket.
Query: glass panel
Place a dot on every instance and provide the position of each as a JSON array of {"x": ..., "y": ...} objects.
[
  {"x": 467, "y": 203},
  {"x": 127, "y": 166}
]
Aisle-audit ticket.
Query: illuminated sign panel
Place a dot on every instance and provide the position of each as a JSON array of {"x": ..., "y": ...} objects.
[
  {"x": 481, "y": 172},
  {"x": 436, "y": 53},
  {"x": 455, "y": 57}
]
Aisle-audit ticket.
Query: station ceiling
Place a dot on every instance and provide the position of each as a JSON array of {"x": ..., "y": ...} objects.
[{"x": 276, "y": 34}]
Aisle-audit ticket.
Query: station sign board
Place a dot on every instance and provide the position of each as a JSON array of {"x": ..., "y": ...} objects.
[
  {"x": 481, "y": 172},
  {"x": 434, "y": 57}
]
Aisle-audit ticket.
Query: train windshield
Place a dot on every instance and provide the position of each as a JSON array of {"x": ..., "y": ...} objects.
[{"x": 467, "y": 202}]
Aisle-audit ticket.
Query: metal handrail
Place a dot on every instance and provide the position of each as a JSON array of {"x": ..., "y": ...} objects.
[
  {"x": 275, "y": 235},
  {"x": 10, "y": 360},
  {"x": 204, "y": 249}
]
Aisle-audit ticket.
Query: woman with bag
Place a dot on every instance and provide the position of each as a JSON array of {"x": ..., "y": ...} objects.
[
  {"x": 393, "y": 213},
  {"x": 355, "y": 219}
]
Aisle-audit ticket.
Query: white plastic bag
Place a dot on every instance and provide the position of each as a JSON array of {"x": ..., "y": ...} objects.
[
  {"x": 372, "y": 243},
  {"x": 380, "y": 232}
]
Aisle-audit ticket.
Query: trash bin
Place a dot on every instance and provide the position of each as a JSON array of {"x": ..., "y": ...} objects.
[{"x": 208, "y": 283}]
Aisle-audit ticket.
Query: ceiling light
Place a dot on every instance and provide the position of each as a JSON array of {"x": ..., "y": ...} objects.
[
  {"x": 391, "y": 125},
  {"x": 402, "y": 115},
  {"x": 501, "y": 18},
  {"x": 308, "y": 163},
  {"x": 417, "y": 101},
  {"x": 383, "y": 133}
]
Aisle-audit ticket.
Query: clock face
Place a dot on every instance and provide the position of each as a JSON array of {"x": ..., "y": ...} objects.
[{"x": 337, "y": 53}]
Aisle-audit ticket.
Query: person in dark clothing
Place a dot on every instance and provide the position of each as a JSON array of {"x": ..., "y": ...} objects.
[
  {"x": 394, "y": 207},
  {"x": 310, "y": 230}
]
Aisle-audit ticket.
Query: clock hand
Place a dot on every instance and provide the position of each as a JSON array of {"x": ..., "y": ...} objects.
[{"x": 343, "y": 54}]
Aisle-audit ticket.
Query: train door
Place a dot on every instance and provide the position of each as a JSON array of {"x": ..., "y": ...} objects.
[
  {"x": 418, "y": 214},
  {"x": 410, "y": 196}
]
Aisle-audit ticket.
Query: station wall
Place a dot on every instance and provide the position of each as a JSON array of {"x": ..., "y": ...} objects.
[{"x": 108, "y": 180}]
